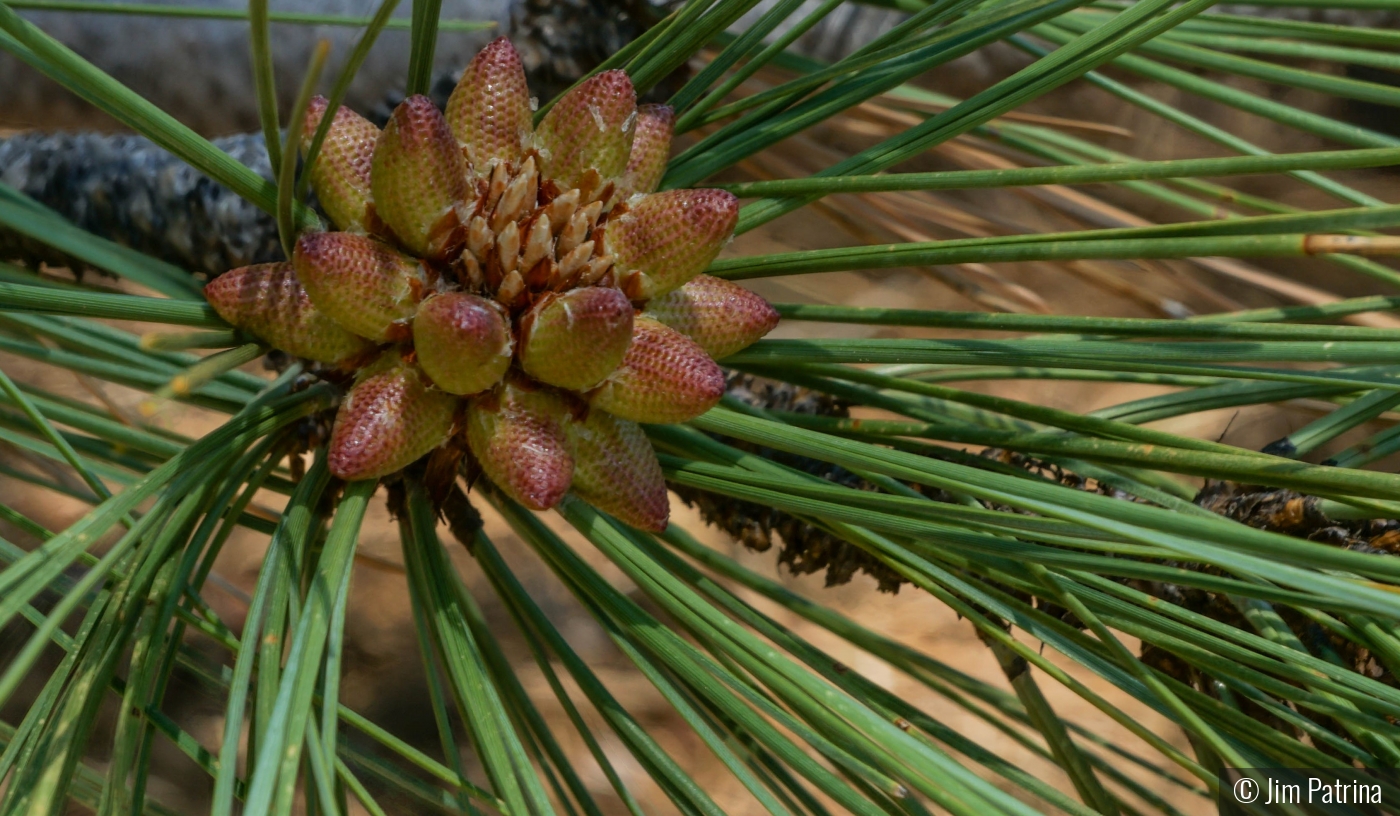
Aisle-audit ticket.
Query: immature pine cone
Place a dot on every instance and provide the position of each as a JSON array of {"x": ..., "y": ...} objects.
[{"x": 521, "y": 288}]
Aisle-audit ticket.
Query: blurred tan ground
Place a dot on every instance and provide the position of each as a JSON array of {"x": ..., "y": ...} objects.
[{"x": 383, "y": 672}]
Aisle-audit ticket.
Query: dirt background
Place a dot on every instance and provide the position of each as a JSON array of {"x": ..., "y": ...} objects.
[{"x": 383, "y": 671}]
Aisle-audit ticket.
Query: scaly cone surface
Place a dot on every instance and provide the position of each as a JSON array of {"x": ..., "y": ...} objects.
[
  {"x": 523, "y": 293},
  {"x": 340, "y": 175},
  {"x": 651, "y": 149},
  {"x": 391, "y": 417},
  {"x": 576, "y": 339},
  {"x": 720, "y": 316},
  {"x": 418, "y": 177},
  {"x": 489, "y": 111},
  {"x": 463, "y": 341},
  {"x": 664, "y": 377},
  {"x": 362, "y": 284},
  {"x": 269, "y": 302},
  {"x": 518, "y": 435},
  {"x": 616, "y": 471},
  {"x": 590, "y": 128},
  {"x": 666, "y": 239}
]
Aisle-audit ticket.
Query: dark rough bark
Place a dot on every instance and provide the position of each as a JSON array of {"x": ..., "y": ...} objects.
[{"x": 126, "y": 189}]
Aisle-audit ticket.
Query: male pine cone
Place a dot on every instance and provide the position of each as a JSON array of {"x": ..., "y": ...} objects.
[{"x": 522, "y": 289}]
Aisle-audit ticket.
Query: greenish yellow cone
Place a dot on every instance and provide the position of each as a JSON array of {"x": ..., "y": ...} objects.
[
  {"x": 722, "y": 317},
  {"x": 463, "y": 342},
  {"x": 359, "y": 282},
  {"x": 340, "y": 176},
  {"x": 418, "y": 177},
  {"x": 669, "y": 238},
  {"x": 489, "y": 110},
  {"x": 589, "y": 127},
  {"x": 616, "y": 471},
  {"x": 576, "y": 339},
  {"x": 488, "y": 274},
  {"x": 651, "y": 149},
  {"x": 391, "y": 417},
  {"x": 518, "y": 434},
  {"x": 268, "y": 302},
  {"x": 664, "y": 377}
]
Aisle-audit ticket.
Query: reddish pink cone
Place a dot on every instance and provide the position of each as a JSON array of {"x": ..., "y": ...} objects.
[
  {"x": 651, "y": 150},
  {"x": 418, "y": 176},
  {"x": 616, "y": 471},
  {"x": 722, "y": 317},
  {"x": 340, "y": 176},
  {"x": 390, "y": 418},
  {"x": 269, "y": 302},
  {"x": 591, "y": 126},
  {"x": 576, "y": 339},
  {"x": 463, "y": 342},
  {"x": 489, "y": 111},
  {"x": 671, "y": 237},
  {"x": 664, "y": 377},
  {"x": 518, "y": 435},
  {"x": 359, "y": 282}
]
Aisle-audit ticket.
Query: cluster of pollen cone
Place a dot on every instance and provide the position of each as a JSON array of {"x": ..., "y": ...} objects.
[{"x": 517, "y": 288}]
